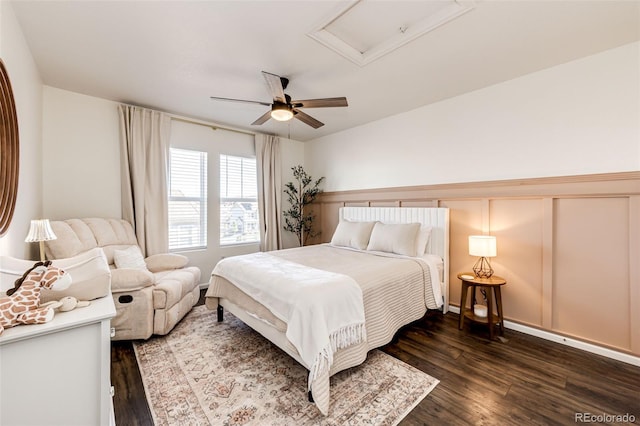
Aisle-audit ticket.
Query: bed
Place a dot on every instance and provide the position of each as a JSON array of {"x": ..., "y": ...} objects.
[{"x": 328, "y": 305}]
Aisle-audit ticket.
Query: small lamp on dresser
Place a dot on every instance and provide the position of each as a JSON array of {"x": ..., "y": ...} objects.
[
  {"x": 40, "y": 231},
  {"x": 483, "y": 246}
]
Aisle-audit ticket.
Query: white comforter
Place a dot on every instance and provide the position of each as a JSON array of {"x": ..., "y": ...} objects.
[
  {"x": 395, "y": 290},
  {"x": 324, "y": 310}
]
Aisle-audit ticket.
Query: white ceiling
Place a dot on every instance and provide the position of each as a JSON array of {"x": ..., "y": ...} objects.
[{"x": 173, "y": 55}]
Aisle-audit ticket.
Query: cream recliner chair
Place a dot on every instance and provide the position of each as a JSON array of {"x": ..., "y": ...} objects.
[{"x": 151, "y": 295}]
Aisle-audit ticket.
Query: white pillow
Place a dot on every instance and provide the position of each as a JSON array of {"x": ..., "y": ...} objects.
[
  {"x": 422, "y": 240},
  {"x": 399, "y": 238},
  {"x": 352, "y": 234},
  {"x": 129, "y": 258}
]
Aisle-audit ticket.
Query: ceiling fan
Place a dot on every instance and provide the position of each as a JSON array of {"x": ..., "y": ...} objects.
[{"x": 283, "y": 108}]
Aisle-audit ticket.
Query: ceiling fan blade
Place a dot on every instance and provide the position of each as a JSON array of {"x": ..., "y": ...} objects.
[
  {"x": 321, "y": 103},
  {"x": 275, "y": 86},
  {"x": 240, "y": 100},
  {"x": 263, "y": 118},
  {"x": 307, "y": 119}
]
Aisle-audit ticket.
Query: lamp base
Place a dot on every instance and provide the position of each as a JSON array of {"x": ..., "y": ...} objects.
[
  {"x": 42, "y": 256},
  {"x": 482, "y": 268}
]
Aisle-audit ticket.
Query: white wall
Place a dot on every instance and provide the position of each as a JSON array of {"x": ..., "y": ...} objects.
[
  {"x": 82, "y": 156},
  {"x": 27, "y": 91},
  {"x": 581, "y": 117}
]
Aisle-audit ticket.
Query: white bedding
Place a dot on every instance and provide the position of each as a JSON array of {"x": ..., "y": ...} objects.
[
  {"x": 396, "y": 290},
  {"x": 323, "y": 310},
  {"x": 433, "y": 262}
]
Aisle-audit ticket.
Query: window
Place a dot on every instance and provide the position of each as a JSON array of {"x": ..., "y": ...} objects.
[
  {"x": 238, "y": 200},
  {"x": 187, "y": 199}
]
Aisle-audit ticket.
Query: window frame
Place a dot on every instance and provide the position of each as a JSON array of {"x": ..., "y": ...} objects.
[
  {"x": 222, "y": 200},
  {"x": 203, "y": 200}
]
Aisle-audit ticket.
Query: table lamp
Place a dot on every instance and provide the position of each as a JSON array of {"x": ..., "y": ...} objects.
[
  {"x": 40, "y": 231},
  {"x": 483, "y": 246}
]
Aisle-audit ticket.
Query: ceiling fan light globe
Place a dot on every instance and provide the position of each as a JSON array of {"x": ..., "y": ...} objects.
[{"x": 281, "y": 113}]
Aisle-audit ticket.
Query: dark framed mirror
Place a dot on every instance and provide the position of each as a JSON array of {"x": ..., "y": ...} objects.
[{"x": 9, "y": 151}]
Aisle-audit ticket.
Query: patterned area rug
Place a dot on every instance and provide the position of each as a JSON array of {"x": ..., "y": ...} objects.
[{"x": 210, "y": 373}]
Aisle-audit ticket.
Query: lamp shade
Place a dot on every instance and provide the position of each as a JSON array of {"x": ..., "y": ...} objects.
[
  {"x": 40, "y": 230},
  {"x": 482, "y": 246}
]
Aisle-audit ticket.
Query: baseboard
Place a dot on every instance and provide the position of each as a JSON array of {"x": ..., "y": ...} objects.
[
  {"x": 204, "y": 286},
  {"x": 568, "y": 341}
]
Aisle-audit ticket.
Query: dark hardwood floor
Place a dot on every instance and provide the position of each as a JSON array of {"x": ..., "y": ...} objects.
[{"x": 522, "y": 381}]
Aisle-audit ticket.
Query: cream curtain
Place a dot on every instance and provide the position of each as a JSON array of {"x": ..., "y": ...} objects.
[
  {"x": 144, "y": 147},
  {"x": 269, "y": 191}
]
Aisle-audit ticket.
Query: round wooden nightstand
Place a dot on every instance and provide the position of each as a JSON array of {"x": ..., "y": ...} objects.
[{"x": 492, "y": 285}]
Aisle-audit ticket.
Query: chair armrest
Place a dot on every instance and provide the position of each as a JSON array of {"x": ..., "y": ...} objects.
[
  {"x": 166, "y": 261},
  {"x": 128, "y": 279}
]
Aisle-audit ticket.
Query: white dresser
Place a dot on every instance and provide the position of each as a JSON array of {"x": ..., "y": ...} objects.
[{"x": 58, "y": 373}]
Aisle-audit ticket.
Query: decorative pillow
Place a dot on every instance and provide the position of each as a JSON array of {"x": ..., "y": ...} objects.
[
  {"x": 130, "y": 258},
  {"x": 422, "y": 240},
  {"x": 352, "y": 234},
  {"x": 399, "y": 238}
]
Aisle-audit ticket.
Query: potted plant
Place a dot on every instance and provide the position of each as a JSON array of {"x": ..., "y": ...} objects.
[{"x": 301, "y": 193}]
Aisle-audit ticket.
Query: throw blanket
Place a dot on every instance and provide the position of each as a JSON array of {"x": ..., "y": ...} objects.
[{"x": 323, "y": 310}]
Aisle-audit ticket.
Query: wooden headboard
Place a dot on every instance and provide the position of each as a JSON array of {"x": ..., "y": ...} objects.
[{"x": 436, "y": 218}]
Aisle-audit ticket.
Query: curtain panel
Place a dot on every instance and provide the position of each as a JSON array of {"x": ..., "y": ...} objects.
[
  {"x": 269, "y": 191},
  {"x": 144, "y": 148}
]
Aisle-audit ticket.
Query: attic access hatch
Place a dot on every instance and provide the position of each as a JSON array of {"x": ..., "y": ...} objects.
[{"x": 364, "y": 30}]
